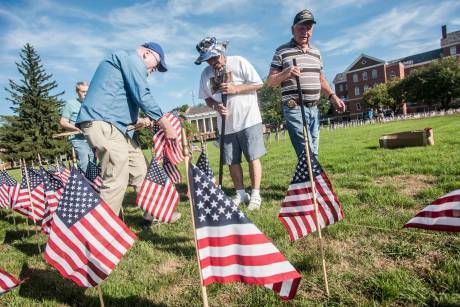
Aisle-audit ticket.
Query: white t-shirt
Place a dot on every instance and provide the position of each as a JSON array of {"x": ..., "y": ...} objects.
[{"x": 243, "y": 109}]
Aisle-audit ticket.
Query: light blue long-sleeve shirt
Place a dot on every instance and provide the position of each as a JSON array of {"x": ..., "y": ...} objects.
[{"x": 117, "y": 91}]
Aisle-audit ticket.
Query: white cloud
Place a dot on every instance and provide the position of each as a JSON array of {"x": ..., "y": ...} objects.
[{"x": 392, "y": 29}]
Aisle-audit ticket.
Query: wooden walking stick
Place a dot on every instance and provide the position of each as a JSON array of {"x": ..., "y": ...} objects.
[
  {"x": 187, "y": 158},
  {"x": 31, "y": 204},
  {"x": 222, "y": 75},
  {"x": 101, "y": 298},
  {"x": 312, "y": 179}
]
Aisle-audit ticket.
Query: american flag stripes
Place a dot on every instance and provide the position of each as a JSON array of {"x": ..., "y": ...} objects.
[
  {"x": 32, "y": 206},
  {"x": 171, "y": 170},
  {"x": 8, "y": 282},
  {"x": 158, "y": 195},
  {"x": 4, "y": 199},
  {"x": 9, "y": 190},
  {"x": 60, "y": 172},
  {"x": 53, "y": 192},
  {"x": 87, "y": 239},
  {"x": 297, "y": 212},
  {"x": 230, "y": 247},
  {"x": 162, "y": 147},
  {"x": 442, "y": 214}
]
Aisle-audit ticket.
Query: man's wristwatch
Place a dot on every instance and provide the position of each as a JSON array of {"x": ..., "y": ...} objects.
[{"x": 329, "y": 98}]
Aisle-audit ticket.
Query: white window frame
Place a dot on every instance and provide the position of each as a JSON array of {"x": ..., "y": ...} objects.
[
  {"x": 453, "y": 50},
  {"x": 365, "y": 88},
  {"x": 357, "y": 92},
  {"x": 341, "y": 87},
  {"x": 355, "y": 77},
  {"x": 364, "y": 75},
  {"x": 374, "y": 74}
]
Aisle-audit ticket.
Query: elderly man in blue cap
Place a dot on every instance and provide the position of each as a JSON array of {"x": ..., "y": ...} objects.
[
  {"x": 243, "y": 122},
  {"x": 117, "y": 91}
]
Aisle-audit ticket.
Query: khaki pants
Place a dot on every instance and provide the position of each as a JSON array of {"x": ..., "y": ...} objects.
[{"x": 122, "y": 161}]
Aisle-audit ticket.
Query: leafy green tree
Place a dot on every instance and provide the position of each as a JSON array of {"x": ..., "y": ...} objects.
[
  {"x": 28, "y": 133},
  {"x": 438, "y": 82},
  {"x": 271, "y": 105},
  {"x": 378, "y": 96}
]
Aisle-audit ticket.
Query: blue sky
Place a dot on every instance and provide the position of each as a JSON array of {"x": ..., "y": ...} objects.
[{"x": 73, "y": 36}]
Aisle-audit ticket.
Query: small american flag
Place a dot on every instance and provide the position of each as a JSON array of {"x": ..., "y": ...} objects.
[
  {"x": 53, "y": 192},
  {"x": 4, "y": 199},
  {"x": 230, "y": 247},
  {"x": 87, "y": 239},
  {"x": 297, "y": 212},
  {"x": 8, "y": 282},
  {"x": 9, "y": 190},
  {"x": 171, "y": 170},
  {"x": 60, "y": 172},
  {"x": 32, "y": 206},
  {"x": 157, "y": 195},
  {"x": 203, "y": 164},
  {"x": 162, "y": 147},
  {"x": 93, "y": 174},
  {"x": 442, "y": 214}
]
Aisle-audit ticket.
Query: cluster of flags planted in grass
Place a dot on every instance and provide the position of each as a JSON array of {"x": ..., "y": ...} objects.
[{"x": 86, "y": 240}]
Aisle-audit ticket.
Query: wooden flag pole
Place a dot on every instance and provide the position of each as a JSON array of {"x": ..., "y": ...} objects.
[
  {"x": 187, "y": 158},
  {"x": 12, "y": 211},
  {"x": 310, "y": 173},
  {"x": 74, "y": 157},
  {"x": 101, "y": 298},
  {"x": 315, "y": 204},
  {"x": 40, "y": 160},
  {"x": 31, "y": 204}
]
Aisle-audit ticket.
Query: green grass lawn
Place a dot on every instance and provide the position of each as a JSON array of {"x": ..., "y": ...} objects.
[{"x": 382, "y": 264}]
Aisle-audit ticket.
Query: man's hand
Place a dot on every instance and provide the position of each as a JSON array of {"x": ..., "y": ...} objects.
[
  {"x": 219, "y": 107},
  {"x": 289, "y": 72},
  {"x": 143, "y": 122},
  {"x": 338, "y": 103},
  {"x": 228, "y": 88},
  {"x": 170, "y": 132}
]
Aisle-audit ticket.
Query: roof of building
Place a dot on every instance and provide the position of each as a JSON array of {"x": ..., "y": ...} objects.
[
  {"x": 200, "y": 109},
  {"x": 420, "y": 57},
  {"x": 363, "y": 55},
  {"x": 340, "y": 77},
  {"x": 451, "y": 38}
]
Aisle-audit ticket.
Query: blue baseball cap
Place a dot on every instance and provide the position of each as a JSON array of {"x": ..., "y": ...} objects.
[{"x": 157, "y": 48}]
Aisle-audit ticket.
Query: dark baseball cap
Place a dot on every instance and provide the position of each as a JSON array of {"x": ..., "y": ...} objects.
[
  {"x": 303, "y": 16},
  {"x": 157, "y": 48}
]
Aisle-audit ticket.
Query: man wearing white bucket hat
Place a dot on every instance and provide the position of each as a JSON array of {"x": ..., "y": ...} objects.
[{"x": 243, "y": 122}]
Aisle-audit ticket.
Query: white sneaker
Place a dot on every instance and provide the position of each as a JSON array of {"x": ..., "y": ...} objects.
[
  {"x": 254, "y": 203},
  {"x": 237, "y": 199}
]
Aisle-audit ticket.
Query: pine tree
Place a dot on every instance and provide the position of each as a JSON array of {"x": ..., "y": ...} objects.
[{"x": 28, "y": 133}]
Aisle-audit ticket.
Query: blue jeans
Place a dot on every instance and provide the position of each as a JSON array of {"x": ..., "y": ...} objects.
[
  {"x": 293, "y": 117},
  {"x": 83, "y": 151}
]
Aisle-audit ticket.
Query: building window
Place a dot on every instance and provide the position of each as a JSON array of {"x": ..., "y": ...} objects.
[
  {"x": 341, "y": 87},
  {"x": 364, "y": 75},
  {"x": 346, "y": 86},
  {"x": 356, "y": 90},
  {"x": 453, "y": 50},
  {"x": 374, "y": 73},
  {"x": 392, "y": 75},
  {"x": 364, "y": 62},
  {"x": 358, "y": 106},
  {"x": 366, "y": 88},
  {"x": 355, "y": 77}
]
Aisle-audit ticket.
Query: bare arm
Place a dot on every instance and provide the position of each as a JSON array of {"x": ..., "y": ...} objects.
[
  {"x": 326, "y": 91},
  {"x": 228, "y": 88},
  {"x": 67, "y": 125}
]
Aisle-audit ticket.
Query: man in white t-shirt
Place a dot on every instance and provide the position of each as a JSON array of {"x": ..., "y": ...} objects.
[{"x": 243, "y": 123}]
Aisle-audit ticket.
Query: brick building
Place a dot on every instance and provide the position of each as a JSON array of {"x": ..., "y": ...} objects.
[{"x": 367, "y": 71}]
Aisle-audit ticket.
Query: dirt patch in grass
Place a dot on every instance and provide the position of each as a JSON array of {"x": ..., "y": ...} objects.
[
  {"x": 409, "y": 185},
  {"x": 168, "y": 266}
]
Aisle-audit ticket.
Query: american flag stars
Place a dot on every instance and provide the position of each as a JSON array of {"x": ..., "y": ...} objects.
[{"x": 212, "y": 204}]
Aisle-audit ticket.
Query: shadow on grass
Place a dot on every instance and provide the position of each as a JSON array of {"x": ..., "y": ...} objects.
[
  {"x": 373, "y": 147},
  {"x": 13, "y": 235},
  {"x": 11, "y": 218},
  {"x": 29, "y": 249},
  {"x": 170, "y": 244},
  {"x": 49, "y": 285}
]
